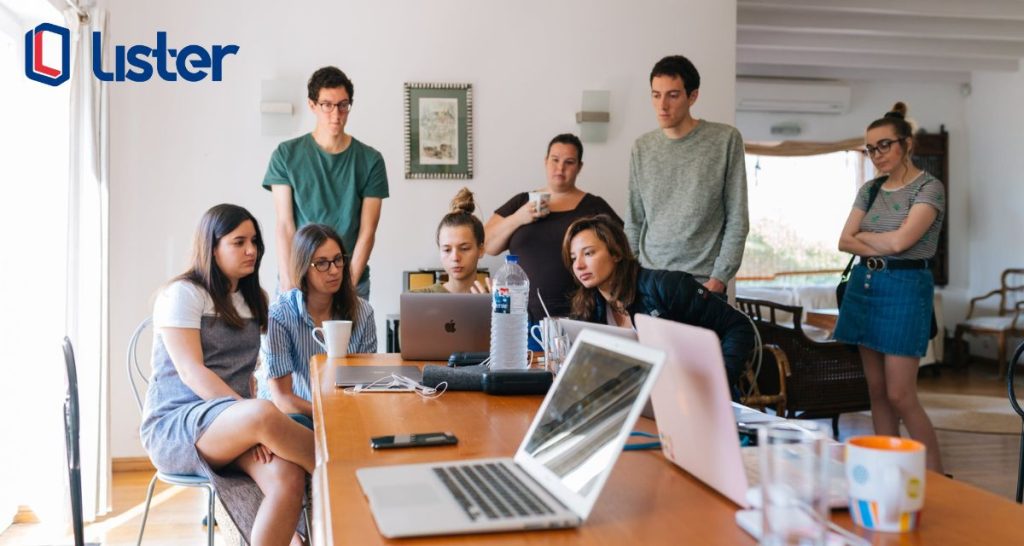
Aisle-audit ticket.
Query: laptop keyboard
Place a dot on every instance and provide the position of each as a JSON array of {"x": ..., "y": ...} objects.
[{"x": 491, "y": 490}]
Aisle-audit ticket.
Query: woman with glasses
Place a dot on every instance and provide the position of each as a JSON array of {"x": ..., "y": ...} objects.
[
  {"x": 325, "y": 292},
  {"x": 887, "y": 308},
  {"x": 460, "y": 241},
  {"x": 533, "y": 230},
  {"x": 199, "y": 417}
]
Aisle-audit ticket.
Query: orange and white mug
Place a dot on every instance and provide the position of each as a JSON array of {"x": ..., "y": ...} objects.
[{"x": 886, "y": 478}]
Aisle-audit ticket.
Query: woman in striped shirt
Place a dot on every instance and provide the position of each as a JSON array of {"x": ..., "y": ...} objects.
[
  {"x": 887, "y": 308},
  {"x": 325, "y": 292}
]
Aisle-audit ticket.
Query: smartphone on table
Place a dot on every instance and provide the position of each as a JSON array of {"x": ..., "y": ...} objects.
[{"x": 414, "y": 440}]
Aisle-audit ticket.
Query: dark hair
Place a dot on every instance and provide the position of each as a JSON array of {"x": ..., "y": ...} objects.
[
  {"x": 329, "y": 77},
  {"x": 308, "y": 238},
  {"x": 677, "y": 65},
  {"x": 623, "y": 279},
  {"x": 896, "y": 118},
  {"x": 461, "y": 214},
  {"x": 568, "y": 138},
  {"x": 204, "y": 271}
]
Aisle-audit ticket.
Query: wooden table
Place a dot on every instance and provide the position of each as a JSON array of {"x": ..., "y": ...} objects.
[{"x": 647, "y": 500}]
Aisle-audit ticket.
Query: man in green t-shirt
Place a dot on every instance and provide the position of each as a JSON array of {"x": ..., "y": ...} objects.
[{"x": 328, "y": 177}]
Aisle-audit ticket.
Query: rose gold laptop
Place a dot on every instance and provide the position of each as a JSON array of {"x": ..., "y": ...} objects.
[{"x": 692, "y": 405}]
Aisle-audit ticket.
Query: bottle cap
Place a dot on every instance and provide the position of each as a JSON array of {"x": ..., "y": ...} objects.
[{"x": 511, "y": 259}]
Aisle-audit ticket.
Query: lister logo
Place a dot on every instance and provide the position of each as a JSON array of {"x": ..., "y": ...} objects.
[
  {"x": 36, "y": 67},
  {"x": 449, "y": 327},
  {"x": 136, "y": 63}
]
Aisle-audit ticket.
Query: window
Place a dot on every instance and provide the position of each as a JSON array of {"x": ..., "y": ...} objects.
[{"x": 798, "y": 206}]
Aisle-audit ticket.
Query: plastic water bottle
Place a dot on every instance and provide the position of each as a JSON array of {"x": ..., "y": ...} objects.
[{"x": 511, "y": 292}]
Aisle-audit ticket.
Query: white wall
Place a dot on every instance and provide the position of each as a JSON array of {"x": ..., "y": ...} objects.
[
  {"x": 997, "y": 164},
  {"x": 930, "y": 105},
  {"x": 177, "y": 149}
]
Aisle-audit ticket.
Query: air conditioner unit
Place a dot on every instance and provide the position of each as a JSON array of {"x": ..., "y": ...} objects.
[{"x": 792, "y": 96}]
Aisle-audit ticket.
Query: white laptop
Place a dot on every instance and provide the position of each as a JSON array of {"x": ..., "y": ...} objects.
[
  {"x": 559, "y": 470},
  {"x": 696, "y": 418},
  {"x": 433, "y": 326}
]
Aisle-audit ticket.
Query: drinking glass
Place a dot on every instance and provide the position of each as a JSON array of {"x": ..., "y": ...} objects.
[{"x": 794, "y": 485}]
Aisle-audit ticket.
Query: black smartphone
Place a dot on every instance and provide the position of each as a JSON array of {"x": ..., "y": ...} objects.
[{"x": 414, "y": 440}]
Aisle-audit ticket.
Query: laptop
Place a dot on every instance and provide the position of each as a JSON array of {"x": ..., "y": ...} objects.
[
  {"x": 695, "y": 415},
  {"x": 433, "y": 326},
  {"x": 351, "y": 376},
  {"x": 558, "y": 471},
  {"x": 572, "y": 328}
]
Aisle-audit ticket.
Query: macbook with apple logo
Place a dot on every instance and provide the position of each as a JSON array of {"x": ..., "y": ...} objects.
[{"x": 433, "y": 326}]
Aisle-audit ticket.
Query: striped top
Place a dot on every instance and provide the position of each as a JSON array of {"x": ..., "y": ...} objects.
[
  {"x": 891, "y": 208},
  {"x": 289, "y": 344}
]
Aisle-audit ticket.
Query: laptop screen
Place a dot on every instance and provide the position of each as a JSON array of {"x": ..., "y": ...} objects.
[{"x": 576, "y": 436}]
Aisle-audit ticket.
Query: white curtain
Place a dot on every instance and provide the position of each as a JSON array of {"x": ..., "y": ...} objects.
[{"x": 87, "y": 273}]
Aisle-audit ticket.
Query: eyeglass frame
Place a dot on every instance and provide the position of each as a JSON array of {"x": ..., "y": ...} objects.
[
  {"x": 338, "y": 262},
  {"x": 883, "y": 147},
  {"x": 328, "y": 107}
]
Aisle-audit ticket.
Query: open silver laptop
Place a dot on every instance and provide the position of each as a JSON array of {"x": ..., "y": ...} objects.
[
  {"x": 696, "y": 418},
  {"x": 559, "y": 470},
  {"x": 433, "y": 326}
]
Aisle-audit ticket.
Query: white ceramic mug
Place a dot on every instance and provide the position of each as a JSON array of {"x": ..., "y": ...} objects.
[
  {"x": 886, "y": 478},
  {"x": 545, "y": 330},
  {"x": 334, "y": 337},
  {"x": 540, "y": 200}
]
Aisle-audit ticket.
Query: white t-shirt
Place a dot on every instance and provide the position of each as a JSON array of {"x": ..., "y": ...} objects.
[{"x": 183, "y": 305}]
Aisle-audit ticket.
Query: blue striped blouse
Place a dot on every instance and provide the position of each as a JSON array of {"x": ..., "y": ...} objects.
[{"x": 289, "y": 344}]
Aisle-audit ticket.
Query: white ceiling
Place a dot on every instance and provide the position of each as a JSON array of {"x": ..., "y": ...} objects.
[{"x": 890, "y": 40}]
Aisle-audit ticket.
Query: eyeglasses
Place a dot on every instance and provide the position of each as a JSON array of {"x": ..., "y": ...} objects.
[
  {"x": 882, "y": 147},
  {"x": 324, "y": 266},
  {"x": 328, "y": 107}
]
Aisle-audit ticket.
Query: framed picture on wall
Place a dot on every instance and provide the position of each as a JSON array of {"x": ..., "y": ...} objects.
[{"x": 439, "y": 130}]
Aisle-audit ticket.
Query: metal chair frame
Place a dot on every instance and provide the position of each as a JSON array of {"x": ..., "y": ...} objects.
[
  {"x": 1011, "y": 392},
  {"x": 71, "y": 436},
  {"x": 135, "y": 377}
]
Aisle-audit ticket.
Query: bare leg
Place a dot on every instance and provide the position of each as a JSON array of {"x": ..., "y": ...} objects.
[
  {"x": 283, "y": 483},
  {"x": 251, "y": 422},
  {"x": 901, "y": 385},
  {"x": 883, "y": 416}
]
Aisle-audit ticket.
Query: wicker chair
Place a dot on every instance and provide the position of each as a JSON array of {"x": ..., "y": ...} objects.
[{"x": 824, "y": 379}]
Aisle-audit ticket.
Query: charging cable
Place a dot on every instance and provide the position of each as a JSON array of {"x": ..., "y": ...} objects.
[
  {"x": 642, "y": 445},
  {"x": 395, "y": 381}
]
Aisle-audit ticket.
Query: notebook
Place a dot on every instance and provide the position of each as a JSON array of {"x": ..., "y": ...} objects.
[
  {"x": 696, "y": 418},
  {"x": 350, "y": 376},
  {"x": 433, "y": 326},
  {"x": 557, "y": 473}
]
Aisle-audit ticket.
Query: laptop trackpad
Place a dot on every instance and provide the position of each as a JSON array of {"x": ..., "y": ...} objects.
[{"x": 405, "y": 495}]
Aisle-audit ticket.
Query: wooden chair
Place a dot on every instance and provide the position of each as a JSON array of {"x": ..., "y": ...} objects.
[
  {"x": 1002, "y": 326},
  {"x": 815, "y": 379}
]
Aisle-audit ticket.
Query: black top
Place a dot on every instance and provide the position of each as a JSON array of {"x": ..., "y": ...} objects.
[
  {"x": 539, "y": 247},
  {"x": 674, "y": 295}
]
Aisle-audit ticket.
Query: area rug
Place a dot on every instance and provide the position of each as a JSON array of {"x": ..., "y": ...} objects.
[{"x": 969, "y": 413}]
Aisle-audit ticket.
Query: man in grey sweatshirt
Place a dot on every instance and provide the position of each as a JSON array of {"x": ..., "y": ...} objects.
[{"x": 687, "y": 185}]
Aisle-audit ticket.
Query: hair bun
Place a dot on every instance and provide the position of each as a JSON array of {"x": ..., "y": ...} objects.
[
  {"x": 898, "y": 111},
  {"x": 463, "y": 202}
]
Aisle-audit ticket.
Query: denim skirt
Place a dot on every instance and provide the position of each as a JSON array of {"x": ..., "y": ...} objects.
[{"x": 889, "y": 311}]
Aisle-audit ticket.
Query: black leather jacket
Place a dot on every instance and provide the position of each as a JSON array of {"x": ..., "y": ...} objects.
[{"x": 677, "y": 296}]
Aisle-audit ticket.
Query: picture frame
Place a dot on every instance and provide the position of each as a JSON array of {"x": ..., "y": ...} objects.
[{"x": 439, "y": 131}]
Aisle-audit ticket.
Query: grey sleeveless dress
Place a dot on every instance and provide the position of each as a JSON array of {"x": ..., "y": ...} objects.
[{"x": 175, "y": 417}]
